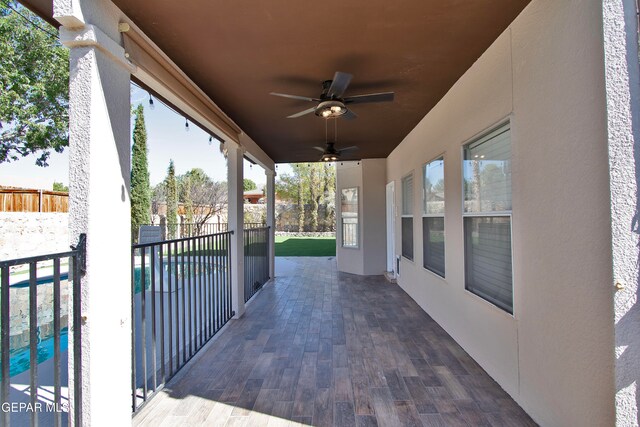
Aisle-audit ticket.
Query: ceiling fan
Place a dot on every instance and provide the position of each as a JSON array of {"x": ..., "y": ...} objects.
[
  {"x": 332, "y": 102},
  {"x": 331, "y": 154}
]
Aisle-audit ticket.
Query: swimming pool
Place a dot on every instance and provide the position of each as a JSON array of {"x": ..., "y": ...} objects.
[{"x": 19, "y": 359}]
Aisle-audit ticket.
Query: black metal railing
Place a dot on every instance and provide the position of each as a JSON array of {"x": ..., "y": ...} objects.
[
  {"x": 33, "y": 356},
  {"x": 181, "y": 293},
  {"x": 192, "y": 230},
  {"x": 256, "y": 260}
]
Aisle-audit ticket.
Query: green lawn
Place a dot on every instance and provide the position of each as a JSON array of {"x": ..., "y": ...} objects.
[{"x": 305, "y": 246}]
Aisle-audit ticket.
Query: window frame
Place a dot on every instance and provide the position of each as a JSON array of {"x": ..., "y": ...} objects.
[
  {"x": 488, "y": 214},
  {"x": 408, "y": 215},
  {"x": 357, "y": 228},
  {"x": 440, "y": 157}
]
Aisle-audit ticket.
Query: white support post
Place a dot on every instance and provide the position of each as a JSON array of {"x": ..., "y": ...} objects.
[
  {"x": 99, "y": 175},
  {"x": 235, "y": 173},
  {"x": 622, "y": 85},
  {"x": 271, "y": 219}
]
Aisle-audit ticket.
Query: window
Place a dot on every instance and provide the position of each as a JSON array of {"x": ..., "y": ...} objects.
[
  {"x": 407, "y": 217},
  {"x": 433, "y": 216},
  {"x": 487, "y": 218},
  {"x": 349, "y": 213}
]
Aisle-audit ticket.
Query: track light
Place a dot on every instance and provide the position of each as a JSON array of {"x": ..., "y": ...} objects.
[
  {"x": 210, "y": 139},
  {"x": 186, "y": 125},
  {"x": 151, "y": 105}
]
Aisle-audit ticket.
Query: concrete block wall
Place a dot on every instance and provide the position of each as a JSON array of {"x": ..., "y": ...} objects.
[{"x": 25, "y": 234}]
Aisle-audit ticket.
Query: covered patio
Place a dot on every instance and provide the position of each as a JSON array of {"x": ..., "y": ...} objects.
[
  {"x": 499, "y": 188},
  {"x": 320, "y": 347}
]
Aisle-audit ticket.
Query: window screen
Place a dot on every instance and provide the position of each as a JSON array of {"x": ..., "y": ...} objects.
[
  {"x": 349, "y": 214},
  {"x": 433, "y": 173},
  {"x": 488, "y": 259},
  {"x": 407, "y": 237},
  {"x": 407, "y": 217},
  {"x": 433, "y": 216},
  {"x": 407, "y": 195},
  {"x": 487, "y": 173},
  {"x": 433, "y": 244},
  {"x": 487, "y": 222}
]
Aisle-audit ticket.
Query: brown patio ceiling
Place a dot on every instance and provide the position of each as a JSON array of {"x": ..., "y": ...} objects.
[{"x": 239, "y": 51}]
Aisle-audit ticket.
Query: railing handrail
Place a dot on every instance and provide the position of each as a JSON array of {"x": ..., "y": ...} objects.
[
  {"x": 37, "y": 258},
  {"x": 182, "y": 239},
  {"x": 266, "y": 227}
]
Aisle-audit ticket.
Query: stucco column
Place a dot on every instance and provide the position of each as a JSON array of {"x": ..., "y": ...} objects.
[
  {"x": 622, "y": 85},
  {"x": 235, "y": 156},
  {"x": 99, "y": 170},
  {"x": 271, "y": 219}
]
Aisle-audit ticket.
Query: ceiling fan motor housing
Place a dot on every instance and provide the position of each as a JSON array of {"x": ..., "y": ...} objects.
[{"x": 325, "y": 89}]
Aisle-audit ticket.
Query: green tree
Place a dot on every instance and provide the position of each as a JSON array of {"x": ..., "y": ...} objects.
[
  {"x": 58, "y": 186},
  {"x": 158, "y": 198},
  {"x": 248, "y": 184},
  {"x": 314, "y": 195},
  {"x": 171, "y": 188},
  {"x": 310, "y": 186},
  {"x": 329, "y": 196},
  {"x": 188, "y": 201},
  {"x": 206, "y": 197},
  {"x": 34, "y": 86},
  {"x": 140, "y": 187}
]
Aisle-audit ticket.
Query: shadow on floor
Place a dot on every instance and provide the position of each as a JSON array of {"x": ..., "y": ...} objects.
[{"x": 324, "y": 348}]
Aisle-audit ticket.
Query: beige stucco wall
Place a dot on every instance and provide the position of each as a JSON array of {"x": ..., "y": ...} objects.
[
  {"x": 349, "y": 260},
  {"x": 544, "y": 74},
  {"x": 369, "y": 175},
  {"x": 374, "y": 238}
]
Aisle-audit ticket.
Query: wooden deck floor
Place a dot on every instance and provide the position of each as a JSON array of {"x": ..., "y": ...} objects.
[{"x": 324, "y": 348}]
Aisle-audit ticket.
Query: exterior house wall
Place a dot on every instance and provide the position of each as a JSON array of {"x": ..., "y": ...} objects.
[
  {"x": 544, "y": 74},
  {"x": 350, "y": 260},
  {"x": 374, "y": 237},
  {"x": 369, "y": 176}
]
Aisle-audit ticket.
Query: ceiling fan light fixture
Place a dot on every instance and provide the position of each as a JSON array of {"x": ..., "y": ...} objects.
[
  {"x": 330, "y": 109},
  {"x": 329, "y": 157}
]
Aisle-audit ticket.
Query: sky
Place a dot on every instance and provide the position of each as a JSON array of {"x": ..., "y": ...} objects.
[{"x": 166, "y": 139}]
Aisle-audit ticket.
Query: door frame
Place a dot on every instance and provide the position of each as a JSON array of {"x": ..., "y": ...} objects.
[{"x": 391, "y": 227}]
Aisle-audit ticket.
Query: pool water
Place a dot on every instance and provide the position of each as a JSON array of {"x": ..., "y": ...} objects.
[
  {"x": 188, "y": 267},
  {"x": 19, "y": 359}
]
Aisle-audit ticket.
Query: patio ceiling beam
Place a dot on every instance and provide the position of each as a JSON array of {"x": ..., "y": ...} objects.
[{"x": 158, "y": 71}]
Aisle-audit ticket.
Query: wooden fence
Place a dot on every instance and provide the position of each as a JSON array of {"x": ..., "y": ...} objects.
[{"x": 28, "y": 200}]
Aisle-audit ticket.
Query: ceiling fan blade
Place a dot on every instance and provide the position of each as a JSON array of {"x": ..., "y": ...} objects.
[
  {"x": 349, "y": 115},
  {"x": 339, "y": 84},
  {"x": 302, "y": 113},
  {"x": 372, "y": 97},
  {"x": 352, "y": 148},
  {"x": 284, "y": 95},
  {"x": 319, "y": 149}
]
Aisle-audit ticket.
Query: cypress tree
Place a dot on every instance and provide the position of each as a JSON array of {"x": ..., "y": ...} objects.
[
  {"x": 300, "y": 206},
  {"x": 313, "y": 190},
  {"x": 140, "y": 188},
  {"x": 172, "y": 201}
]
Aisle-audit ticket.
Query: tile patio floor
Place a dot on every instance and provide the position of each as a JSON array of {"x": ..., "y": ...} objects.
[{"x": 324, "y": 348}]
